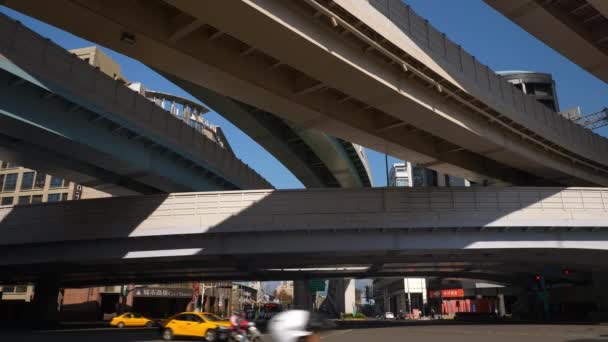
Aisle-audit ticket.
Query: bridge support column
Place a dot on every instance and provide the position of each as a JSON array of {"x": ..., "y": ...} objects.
[
  {"x": 502, "y": 311},
  {"x": 521, "y": 309},
  {"x": 600, "y": 284},
  {"x": 302, "y": 298},
  {"x": 340, "y": 297},
  {"x": 441, "y": 179},
  {"x": 345, "y": 295},
  {"x": 46, "y": 301}
]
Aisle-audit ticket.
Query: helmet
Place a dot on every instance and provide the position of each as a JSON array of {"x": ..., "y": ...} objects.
[{"x": 289, "y": 326}]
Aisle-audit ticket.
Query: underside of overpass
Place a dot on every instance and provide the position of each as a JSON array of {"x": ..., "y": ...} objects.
[
  {"x": 315, "y": 158},
  {"x": 501, "y": 266},
  {"x": 62, "y": 116},
  {"x": 479, "y": 233},
  {"x": 578, "y": 29},
  {"x": 461, "y": 119}
]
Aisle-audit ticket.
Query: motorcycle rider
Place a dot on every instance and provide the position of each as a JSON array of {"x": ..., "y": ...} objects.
[
  {"x": 239, "y": 325},
  {"x": 295, "y": 326}
]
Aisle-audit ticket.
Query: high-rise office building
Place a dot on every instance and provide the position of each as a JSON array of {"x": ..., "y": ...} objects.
[{"x": 19, "y": 185}]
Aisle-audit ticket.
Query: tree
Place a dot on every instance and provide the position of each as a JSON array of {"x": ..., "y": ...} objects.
[{"x": 284, "y": 297}]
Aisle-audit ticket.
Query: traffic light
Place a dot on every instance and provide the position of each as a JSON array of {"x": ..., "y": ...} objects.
[
  {"x": 567, "y": 271},
  {"x": 540, "y": 282}
]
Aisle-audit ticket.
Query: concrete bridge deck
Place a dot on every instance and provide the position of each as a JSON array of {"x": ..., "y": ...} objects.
[
  {"x": 63, "y": 116},
  {"x": 396, "y": 83},
  {"x": 481, "y": 231}
]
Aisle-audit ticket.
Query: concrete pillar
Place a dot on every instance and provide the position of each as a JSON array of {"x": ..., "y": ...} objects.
[
  {"x": 345, "y": 295},
  {"x": 522, "y": 308},
  {"x": 46, "y": 301},
  {"x": 600, "y": 295},
  {"x": 302, "y": 298},
  {"x": 502, "y": 311},
  {"x": 441, "y": 182},
  {"x": 349, "y": 295}
]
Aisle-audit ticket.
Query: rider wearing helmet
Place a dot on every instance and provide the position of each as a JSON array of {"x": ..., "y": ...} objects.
[
  {"x": 239, "y": 324},
  {"x": 295, "y": 326}
]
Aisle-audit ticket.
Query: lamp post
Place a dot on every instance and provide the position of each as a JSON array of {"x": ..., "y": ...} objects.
[{"x": 203, "y": 288}]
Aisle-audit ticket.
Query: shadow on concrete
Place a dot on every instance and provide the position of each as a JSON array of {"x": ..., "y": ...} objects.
[{"x": 295, "y": 234}]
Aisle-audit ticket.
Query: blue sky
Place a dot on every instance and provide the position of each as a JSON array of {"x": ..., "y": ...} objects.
[{"x": 483, "y": 32}]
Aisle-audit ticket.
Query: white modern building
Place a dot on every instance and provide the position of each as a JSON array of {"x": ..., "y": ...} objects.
[
  {"x": 401, "y": 174},
  {"x": 400, "y": 294}
]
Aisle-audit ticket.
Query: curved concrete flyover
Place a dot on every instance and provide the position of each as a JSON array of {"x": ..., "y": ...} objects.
[
  {"x": 395, "y": 87},
  {"x": 76, "y": 122},
  {"x": 268, "y": 233},
  {"x": 576, "y": 29},
  {"x": 317, "y": 159}
]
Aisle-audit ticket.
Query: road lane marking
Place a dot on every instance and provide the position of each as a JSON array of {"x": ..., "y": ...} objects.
[
  {"x": 339, "y": 332},
  {"x": 96, "y": 329}
]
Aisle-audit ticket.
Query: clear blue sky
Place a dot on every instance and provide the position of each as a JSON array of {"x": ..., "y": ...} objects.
[{"x": 486, "y": 34}]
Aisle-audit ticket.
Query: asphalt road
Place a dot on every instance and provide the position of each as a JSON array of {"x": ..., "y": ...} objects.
[{"x": 410, "y": 332}]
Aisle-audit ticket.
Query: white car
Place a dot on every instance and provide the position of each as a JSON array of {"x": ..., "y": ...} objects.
[{"x": 389, "y": 315}]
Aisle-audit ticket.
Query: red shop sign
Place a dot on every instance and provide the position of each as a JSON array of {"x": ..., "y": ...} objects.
[{"x": 448, "y": 293}]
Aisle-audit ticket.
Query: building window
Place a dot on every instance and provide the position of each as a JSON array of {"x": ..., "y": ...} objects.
[
  {"x": 64, "y": 196},
  {"x": 36, "y": 199},
  {"x": 400, "y": 169},
  {"x": 7, "y": 200},
  {"x": 56, "y": 182},
  {"x": 27, "y": 181},
  {"x": 10, "y": 182},
  {"x": 24, "y": 200},
  {"x": 401, "y": 182},
  {"x": 54, "y": 198},
  {"x": 7, "y": 165},
  {"x": 8, "y": 289},
  {"x": 20, "y": 288},
  {"x": 1, "y": 182},
  {"x": 40, "y": 180}
]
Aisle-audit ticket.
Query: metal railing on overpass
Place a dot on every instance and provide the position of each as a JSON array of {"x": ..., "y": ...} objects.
[
  {"x": 485, "y": 92},
  {"x": 45, "y": 64},
  {"x": 415, "y": 209}
]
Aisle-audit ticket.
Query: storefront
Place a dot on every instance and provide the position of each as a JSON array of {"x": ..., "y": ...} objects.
[
  {"x": 450, "y": 302},
  {"x": 161, "y": 302}
]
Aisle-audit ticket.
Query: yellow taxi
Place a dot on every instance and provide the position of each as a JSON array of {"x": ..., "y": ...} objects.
[
  {"x": 195, "y": 324},
  {"x": 130, "y": 319}
]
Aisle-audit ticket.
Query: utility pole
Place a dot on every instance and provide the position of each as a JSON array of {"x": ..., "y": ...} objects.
[{"x": 386, "y": 167}]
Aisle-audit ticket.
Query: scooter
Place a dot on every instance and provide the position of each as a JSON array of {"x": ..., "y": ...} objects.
[{"x": 253, "y": 334}]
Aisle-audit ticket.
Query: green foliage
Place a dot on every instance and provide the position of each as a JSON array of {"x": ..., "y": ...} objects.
[
  {"x": 285, "y": 298},
  {"x": 358, "y": 315}
]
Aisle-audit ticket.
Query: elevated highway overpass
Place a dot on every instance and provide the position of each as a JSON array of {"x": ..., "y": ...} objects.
[
  {"x": 374, "y": 73},
  {"x": 483, "y": 233},
  {"x": 317, "y": 159},
  {"x": 61, "y": 115},
  {"x": 578, "y": 29}
]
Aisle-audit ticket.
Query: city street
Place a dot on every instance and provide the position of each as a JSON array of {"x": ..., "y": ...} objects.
[
  {"x": 392, "y": 332},
  {"x": 386, "y": 170}
]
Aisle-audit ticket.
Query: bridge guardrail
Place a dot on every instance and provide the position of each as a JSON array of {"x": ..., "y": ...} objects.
[
  {"x": 55, "y": 67},
  {"x": 522, "y": 107},
  {"x": 308, "y": 210}
]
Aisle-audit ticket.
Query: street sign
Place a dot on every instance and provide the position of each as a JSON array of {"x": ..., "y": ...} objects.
[{"x": 317, "y": 286}]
